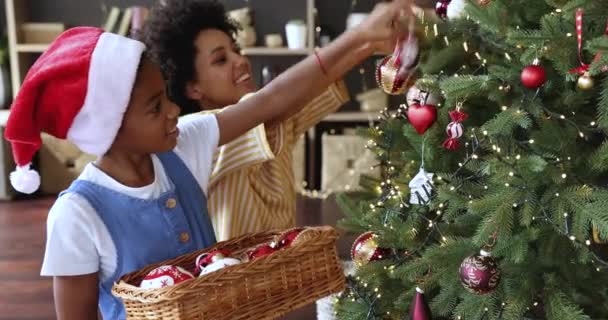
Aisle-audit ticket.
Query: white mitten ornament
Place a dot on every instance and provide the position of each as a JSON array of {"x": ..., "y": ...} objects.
[{"x": 213, "y": 261}]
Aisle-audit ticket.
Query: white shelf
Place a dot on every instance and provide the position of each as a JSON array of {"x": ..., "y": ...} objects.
[
  {"x": 4, "y": 117},
  {"x": 264, "y": 51},
  {"x": 32, "y": 47}
]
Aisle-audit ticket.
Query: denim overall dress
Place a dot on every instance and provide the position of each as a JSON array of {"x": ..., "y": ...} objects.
[{"x": 152, "y": 230}]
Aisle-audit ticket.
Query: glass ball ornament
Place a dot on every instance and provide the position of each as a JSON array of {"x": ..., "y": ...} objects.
[
  {"x": 479, "y": 273},
  {"x": 533, "y": 76},
  {"x": 365, "y": 249},
  {"x": 585, "y": 82}
]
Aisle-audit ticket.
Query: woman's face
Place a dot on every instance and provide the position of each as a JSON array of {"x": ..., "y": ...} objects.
[{"x": 223, "y": 75}]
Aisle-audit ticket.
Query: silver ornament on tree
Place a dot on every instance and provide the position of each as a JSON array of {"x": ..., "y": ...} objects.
[
  {"x": 479, "y": 273},
  {"x": 415, "y": 95},
  {"x": 421, "y": 187}
]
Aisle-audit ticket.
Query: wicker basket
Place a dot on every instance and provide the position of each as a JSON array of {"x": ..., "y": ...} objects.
[{"x": 266, "y": 288}]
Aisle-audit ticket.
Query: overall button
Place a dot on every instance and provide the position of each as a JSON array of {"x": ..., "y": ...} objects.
[
  {"x": 171, "y": 203},
  {"x": 184, "y": 237}
]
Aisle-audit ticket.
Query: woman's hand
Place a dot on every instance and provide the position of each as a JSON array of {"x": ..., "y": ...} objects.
[{"x": 386, "y": 24}]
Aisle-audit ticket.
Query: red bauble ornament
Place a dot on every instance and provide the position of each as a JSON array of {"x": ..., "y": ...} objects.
[
  {"x": 441, "y": 8},
  {"x": 365, "y": 249},
  {"x": 165, "y": 276},
  {"x": 287, "y": 238},
  {"x": 260, "y": 251},
  {"x": 533, "y": 76},
  {"x": 395, "y": 72},
  {"x": 422, "y": 117},
  {"x": 479, "y": 273},
  {"x": 419, "y": 309}
]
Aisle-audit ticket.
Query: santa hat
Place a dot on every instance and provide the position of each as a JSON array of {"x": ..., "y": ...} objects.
[{"x": 77, "y": 90}]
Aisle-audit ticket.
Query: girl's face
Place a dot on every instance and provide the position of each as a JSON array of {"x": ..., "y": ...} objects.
[
  {"x": 223, "y": 75},
  {"x": 150, "y": 122}
]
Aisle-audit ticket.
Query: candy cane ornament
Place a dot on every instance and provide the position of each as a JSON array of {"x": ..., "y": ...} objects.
[{"x": 454, "y": 129}]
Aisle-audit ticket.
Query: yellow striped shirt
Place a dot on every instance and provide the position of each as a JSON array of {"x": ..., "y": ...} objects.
[{"x": 252, "y": 185}]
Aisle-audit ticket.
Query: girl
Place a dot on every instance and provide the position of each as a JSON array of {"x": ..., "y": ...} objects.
[
  {"x": 252, "y": 185},
  {"x": 144, "y": 199}
]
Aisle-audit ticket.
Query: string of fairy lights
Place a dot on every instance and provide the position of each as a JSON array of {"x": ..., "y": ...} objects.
[{"x": 389, "y": 190}]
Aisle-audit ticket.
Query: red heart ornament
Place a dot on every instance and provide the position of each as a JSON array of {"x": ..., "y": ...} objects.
[{"x": 422, "y": 117}]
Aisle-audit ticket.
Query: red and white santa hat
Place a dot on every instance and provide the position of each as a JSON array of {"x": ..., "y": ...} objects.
[{"x": 77, "y": 90}]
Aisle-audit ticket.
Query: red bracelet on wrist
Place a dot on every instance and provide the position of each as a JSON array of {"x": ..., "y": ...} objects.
[{"x": 320, "y": 63}]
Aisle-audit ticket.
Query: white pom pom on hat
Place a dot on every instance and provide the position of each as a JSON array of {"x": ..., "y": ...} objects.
[{"x": 25, "y": 180}]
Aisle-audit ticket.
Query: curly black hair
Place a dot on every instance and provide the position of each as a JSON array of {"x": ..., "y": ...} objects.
[{"x": 170, "y": 33}]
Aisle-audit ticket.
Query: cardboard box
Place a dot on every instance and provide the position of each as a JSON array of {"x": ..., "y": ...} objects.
[
  {"x": 61, "y": 162},
  {"x": 345, "y": 158}
]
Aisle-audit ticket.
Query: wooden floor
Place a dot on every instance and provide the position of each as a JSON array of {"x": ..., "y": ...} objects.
[{"x": 24, "y": 295}]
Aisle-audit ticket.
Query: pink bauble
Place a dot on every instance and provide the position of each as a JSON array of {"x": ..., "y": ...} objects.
[{"x": 479, "y": 273}]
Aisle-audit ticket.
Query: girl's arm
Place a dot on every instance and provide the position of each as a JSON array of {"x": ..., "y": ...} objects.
[
  {"x": 76, "y": 297},
  {"x": 299, "y": 84}
]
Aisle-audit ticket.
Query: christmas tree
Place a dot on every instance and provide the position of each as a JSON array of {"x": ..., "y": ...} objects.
[{"x": 493, "y": 199}]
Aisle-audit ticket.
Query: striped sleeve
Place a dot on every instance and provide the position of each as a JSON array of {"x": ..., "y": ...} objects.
[
  {"x": 247, "y": 150},
  {"x": 328, "y": 102}
]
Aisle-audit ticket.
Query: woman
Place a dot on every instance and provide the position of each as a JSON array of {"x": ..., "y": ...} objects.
[{"x": 252, "y": 187}]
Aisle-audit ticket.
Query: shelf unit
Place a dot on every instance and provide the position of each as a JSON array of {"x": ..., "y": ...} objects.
[
  {"x": 31, "y": 47},
  {"x": 21, "y": 54},
  {"x": 284, "y": 51},
  {"x": 264, "y": 51}
]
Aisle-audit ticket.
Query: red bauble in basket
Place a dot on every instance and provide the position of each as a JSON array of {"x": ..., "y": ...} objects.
[
  {"x": 288, "y": 237},
  {"x": 165, "y": 276},
  {"x": 365, "y": 249},
  {"x": 260, "y": 251},
  {"x": 479, "y": 273}
]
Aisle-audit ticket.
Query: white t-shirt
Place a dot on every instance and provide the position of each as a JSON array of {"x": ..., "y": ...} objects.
[{"x": 79, "y": 243}]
